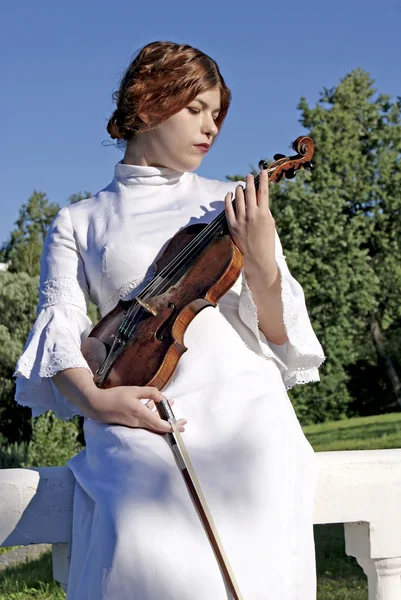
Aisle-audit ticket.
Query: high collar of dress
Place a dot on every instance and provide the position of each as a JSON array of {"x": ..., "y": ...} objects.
[{"x": 135, "y": 174}]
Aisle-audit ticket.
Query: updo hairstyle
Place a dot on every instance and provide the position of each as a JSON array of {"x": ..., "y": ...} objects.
[{"x": 162, "y": 79}]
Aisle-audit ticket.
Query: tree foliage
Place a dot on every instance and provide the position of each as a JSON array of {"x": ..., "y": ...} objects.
[
  {"x": 78, "y": 197},
  {"x": 340, "y": 230},
  {"x": 18, "y": 302},
  {"x": 24, "y": 246},
  {"x": 53, "y": 443}
]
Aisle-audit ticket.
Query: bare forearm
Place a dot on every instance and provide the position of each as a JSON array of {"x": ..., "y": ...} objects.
[
  {"x": 77, "y": 385},
  {"x": 120, "y": 405},
  {"x": 265, "y": 285}
]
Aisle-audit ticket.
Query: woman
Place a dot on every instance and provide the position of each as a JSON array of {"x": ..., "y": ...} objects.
[{"x": 135, "y": 531}]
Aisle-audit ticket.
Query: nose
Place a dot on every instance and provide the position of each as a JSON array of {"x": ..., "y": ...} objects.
[{"x": 209, "y": 127}]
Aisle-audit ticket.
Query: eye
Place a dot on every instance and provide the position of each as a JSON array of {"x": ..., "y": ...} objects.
[{"x": 194, "y": 111}]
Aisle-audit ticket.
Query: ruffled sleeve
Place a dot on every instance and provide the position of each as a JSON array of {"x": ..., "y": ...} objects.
[
  {"x": 301, "y": 356},
  {"x": 62, "y": 323}
]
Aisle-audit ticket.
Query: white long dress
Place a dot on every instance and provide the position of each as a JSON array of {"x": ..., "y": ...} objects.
[{"x": 136, "y": 534}]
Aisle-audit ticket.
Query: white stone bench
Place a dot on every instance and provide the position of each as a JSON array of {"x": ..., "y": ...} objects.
[{"x": 361, "y": 489}]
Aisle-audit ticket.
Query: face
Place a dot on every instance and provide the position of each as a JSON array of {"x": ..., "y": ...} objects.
[{"x": 176, "y": 143}]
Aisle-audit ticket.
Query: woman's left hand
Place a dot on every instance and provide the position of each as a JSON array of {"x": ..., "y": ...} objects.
[{"x": 251, "y": 223}]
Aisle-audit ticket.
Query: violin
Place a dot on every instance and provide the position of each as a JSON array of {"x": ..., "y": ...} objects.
[{"x": 140, "y": 341}]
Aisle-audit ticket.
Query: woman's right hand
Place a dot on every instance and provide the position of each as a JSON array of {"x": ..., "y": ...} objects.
[{"x": 122, "y": 406}]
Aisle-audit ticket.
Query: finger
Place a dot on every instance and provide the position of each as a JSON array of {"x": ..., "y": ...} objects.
[
  {"x": 154, "y": 430},
  {"x": 240, "y": 203},
  {"x": 250, "y": 195},
  {"x": 153, "y": 421},
  {"x": 148, "y": 392},
  {"x": 263, "y": 194},
  {"x": 162, "y": 426},
  {"x": 230, "y": 212},
  {"x": 151, "y": 405},
  {"x": 180, "y": 424}
]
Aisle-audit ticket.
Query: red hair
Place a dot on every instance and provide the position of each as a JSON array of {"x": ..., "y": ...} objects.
[{"x": 162, "y": 79}]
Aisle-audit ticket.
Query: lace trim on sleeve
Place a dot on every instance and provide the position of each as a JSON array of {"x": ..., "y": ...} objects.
[
  {"x": 63, "y": 290},
  {"x": 301, "y": 376},
  {"x": 57, "y": 362}
]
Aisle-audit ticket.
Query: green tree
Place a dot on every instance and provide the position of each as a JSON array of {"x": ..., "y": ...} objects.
[
  {"x": 53, "y": 443},
  {"x": 78, "y": 197},
  {"x": 18, "y": 301},
  {"x": 340, "y": 230},
  {"x": 358, "y": 152},
  {"x": 24, "y": 246}
]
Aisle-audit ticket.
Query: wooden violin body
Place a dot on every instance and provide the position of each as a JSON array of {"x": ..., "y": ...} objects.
[
  {"x": 151, "y": 354},
  {"x": 141, "y": 340}
]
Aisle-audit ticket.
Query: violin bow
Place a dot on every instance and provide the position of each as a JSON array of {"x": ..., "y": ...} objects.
[{"x": 184, "y": 464}]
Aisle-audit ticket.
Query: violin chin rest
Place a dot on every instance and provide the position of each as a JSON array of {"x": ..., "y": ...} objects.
[{"x": 94, "y": 352}]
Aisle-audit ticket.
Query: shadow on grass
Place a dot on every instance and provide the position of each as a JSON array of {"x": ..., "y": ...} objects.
[
  {"x": 331, "y": 559},
  {"x": 31, "y": 579}
]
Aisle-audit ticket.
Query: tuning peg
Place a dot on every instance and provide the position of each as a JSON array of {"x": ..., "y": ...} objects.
[
  {"x": 278, "y": 156},
  {"x": 308, "y": 166},
  {"x": 262, "y": 165},
  {"x": 290, "y": 174}
]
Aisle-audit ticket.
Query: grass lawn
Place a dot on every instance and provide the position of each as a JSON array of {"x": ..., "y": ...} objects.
[
  {"x": 339, "y": 576},
  {"x": 30, "y": 580},
  {"x": 361, "y": 433},
  {"x": 4, "y": 550}
]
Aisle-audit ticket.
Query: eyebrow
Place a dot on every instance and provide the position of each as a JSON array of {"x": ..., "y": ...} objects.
[{"x": 205, "y": 104}]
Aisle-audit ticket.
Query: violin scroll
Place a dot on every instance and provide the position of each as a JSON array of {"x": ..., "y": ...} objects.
[{"x": 287, "y": 166}]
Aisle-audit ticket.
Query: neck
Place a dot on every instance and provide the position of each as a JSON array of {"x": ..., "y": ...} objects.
[{"x": 135, "y": 155}]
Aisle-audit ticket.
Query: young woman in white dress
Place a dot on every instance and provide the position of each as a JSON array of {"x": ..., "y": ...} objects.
[{"x": 136, "y": 534}]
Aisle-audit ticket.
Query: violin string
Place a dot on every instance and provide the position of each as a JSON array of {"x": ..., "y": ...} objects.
[
  {"x": 155, "y": 286},
  {"x": 216, "y": 223},
  {"x": 159, "y": 284},
  {"x": 212, "y": 227},
  {"x": 159, "y": 288}
]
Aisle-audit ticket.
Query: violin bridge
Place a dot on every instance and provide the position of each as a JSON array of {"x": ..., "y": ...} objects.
[{"x": 146, "y": 307}]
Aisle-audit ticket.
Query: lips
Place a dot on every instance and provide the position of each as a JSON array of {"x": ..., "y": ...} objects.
[{"x": 203, "y": 147}]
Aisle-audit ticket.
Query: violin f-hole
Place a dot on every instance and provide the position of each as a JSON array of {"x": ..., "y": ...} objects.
[{"x": 165, "y": 326}]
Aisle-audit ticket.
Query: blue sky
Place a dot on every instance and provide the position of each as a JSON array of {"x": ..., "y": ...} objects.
[{"x": 62, "y": 61}]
